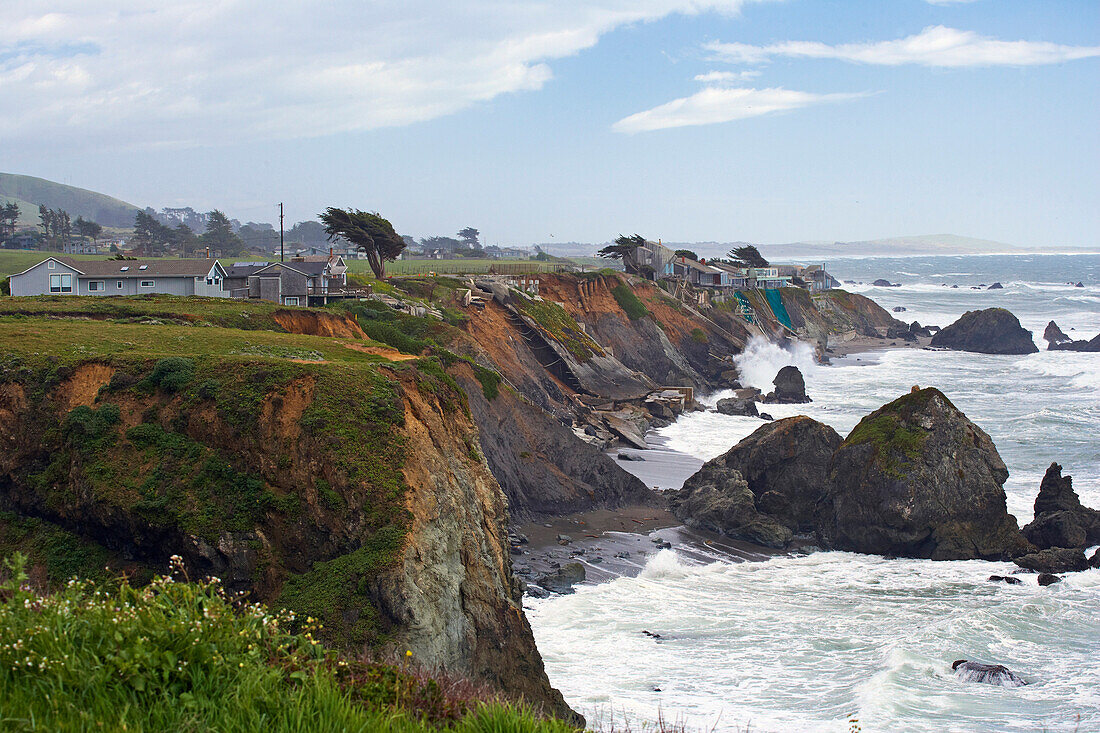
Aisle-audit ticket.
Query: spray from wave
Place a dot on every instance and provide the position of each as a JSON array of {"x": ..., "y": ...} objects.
[{"x": 761, "y": 361}]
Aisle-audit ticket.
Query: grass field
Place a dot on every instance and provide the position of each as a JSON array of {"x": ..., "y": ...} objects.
[
  {"x": 17, "y": 260},
  {"x": 461, "y": 266}
]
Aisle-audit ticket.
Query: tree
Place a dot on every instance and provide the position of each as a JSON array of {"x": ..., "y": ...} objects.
[
  {"x": 219, "y": 235},
  {"x": 747, "y": 256},
  {"x": 87, "y": 229},
  {"x": 365, "y": 231},
  {"x": 469, "y": 237},
  {"x": 623, "y": 248},
  {"x": 57, "y": 228},
  {"x": 185, "y": 239},
  {"x": 307, "y": 232},
  {"x": 687, "y": 253},
  {"x": 150, "y": 236},
  {"x": 9, "y": 217}
]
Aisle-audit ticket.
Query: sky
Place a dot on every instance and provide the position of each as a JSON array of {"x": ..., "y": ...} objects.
[{"x": 552, "y": 120}]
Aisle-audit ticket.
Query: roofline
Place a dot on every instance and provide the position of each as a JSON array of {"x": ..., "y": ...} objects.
[
  {"x": 51, "y": 257},
  {"x": 282, "y": 264}
]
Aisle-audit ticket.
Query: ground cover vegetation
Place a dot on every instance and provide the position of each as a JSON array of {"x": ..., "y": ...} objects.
[{"x": 180, "y": 655}]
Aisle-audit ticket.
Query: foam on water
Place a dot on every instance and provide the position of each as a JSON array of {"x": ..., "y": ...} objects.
[{"x": 810, "y": 642}]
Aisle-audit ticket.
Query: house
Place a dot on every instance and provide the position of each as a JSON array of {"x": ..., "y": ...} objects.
[
  {"x": 298, "y": 281},
  {"x": 66, "y": 276},
  {"x": 656, "y": 256},
  {"x": 698, "y": 273},
  {"x": 78, "y": 247}
]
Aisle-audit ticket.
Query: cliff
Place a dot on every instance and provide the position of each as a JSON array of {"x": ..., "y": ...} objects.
[{"x": 315, "y": 476}]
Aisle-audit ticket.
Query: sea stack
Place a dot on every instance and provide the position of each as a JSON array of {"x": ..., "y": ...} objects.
[
  {"x": 1060, "y": 518},
  {"x": 766, "y": 488},
  {"x": 989, "y": 331},
  {"x": 790, "y": 388},
  {"x": 1055, "y": 335},
  {"x": 916, "y": 478}
]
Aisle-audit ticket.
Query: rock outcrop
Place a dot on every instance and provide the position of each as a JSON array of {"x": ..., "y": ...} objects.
[
  {"x": 1080, "y": 345},
  {"x": 917, "y": 478},
  {"x": 1060, "y": 518},
  {"x": 1054, "y": 335},
  {"x": 766, "y": 488},
  {"x": 737, "y": 406},
  {"x": 1055, "y": 560},
  {"x": 790, "y": 388},
  {"x": 989, "y": 331},
  {"x": 543, "y": 467}
]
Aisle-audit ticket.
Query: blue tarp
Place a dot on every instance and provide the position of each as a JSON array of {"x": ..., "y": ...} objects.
[{"x": 775, "y": 300}]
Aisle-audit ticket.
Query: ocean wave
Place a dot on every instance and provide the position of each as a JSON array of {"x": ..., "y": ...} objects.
[{"x": 761, "y": 360}]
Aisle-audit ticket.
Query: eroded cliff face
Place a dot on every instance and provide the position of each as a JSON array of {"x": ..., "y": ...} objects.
[{"x": 354, "y": 494}]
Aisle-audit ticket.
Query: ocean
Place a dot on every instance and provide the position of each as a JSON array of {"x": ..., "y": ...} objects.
[{"x": 834, "y": 641}]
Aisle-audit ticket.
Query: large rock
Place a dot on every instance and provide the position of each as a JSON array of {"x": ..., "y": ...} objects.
[
  {"x": 989, "y": 331},
  {"x": 917, "y": 478},
  {"x": 790, "y": 388},
  {"x": 563, "y": 579},
  {"x": 1093, "y": 345},
  {"x": 765, "y": 488},
  {"x": 1054, "y": 335},
  {"x": 724, "y": 504},
  {"x": 735, "y": 406},
  {"x": 1056, "y": 560},
  {"x": 1060, "y": 519}
]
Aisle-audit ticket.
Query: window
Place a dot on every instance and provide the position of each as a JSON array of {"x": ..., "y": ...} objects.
[
  {"x": 50, "y": 265},
  {"x": 118, "y": 284},
  {"x": 143, "y": 267},
  {"x": 124, "y": 268},
  {"x": 290, "y": 301},
  {"x": 95, "y": 286},
  {"x": 148, "y": 283},
  {"x": 209, "y": 281},
  {"x": 61, "y": 283}
]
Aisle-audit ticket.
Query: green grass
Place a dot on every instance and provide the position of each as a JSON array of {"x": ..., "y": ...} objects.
[
  {"x": 562, "y": 326},
  {"x": 891, "y": 433},
  {"x": 247, "y": 315},
  {"x": 459, "y": 266},
  {"x": 177, "y": 655},
  {"x": 166, "y": 474},
  {"x": 629, "y": 302}
]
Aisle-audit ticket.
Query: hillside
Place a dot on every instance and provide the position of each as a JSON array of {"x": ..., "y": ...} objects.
[
  {"x": 319, "y": 471},
  {"x": 29, "y": 192}
]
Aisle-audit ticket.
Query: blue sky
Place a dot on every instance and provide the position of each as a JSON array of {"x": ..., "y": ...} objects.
[{"x": 812, "y": 119}]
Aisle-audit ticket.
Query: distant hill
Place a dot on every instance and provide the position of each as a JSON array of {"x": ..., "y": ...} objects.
[{"x": 29, "y": 192}]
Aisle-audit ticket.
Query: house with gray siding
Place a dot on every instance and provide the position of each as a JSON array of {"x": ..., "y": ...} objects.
[
  {"x": 66, "y": 276},
  {"x": 299, "y": 281}
]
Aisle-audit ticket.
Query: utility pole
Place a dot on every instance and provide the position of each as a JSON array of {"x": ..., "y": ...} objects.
[{"x": 282, "y": 252}]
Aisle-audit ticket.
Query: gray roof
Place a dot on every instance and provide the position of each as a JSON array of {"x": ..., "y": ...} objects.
[
  {"x": 311, "y": 268},
  {"x": 140, "y": 268}
]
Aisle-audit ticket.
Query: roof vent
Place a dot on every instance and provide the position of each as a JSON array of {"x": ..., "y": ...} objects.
[
  {"x": 124, "y": 268},
  {"x": 143, "y": 267}
]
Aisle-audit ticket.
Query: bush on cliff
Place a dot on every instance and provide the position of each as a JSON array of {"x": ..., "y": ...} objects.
[
  {"x": 185, "y": 656},
  {"x": 630, "y": 303}
]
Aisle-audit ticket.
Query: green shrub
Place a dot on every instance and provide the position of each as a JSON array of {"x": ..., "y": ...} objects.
[
  {"x": 699, "y": 335},
  {"x": 629, "y": 302},
  {"x": 490, "y": 381},
  {"x": 90, "y": 430},
  {"x": 172, "y": 373}
]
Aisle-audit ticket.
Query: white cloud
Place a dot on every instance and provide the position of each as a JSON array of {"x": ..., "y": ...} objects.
[
  {"x": 934, "y": 46},
  {"x": 197, "y": 72},
  {"x": 719, "y": 104},
  {"x": 726, "y": 77}
]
